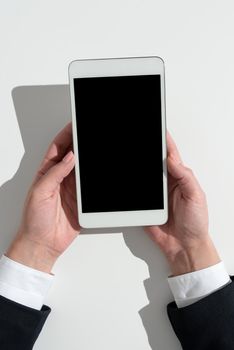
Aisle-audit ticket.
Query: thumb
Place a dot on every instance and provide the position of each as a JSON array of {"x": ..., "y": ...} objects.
[
  {"x": 53, "y": 178},
  {"x": 156, "y": 234},
  {"x": 186, "y": 180}
]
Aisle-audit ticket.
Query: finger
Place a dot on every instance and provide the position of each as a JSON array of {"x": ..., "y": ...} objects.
[
  {"x": 57, "y": 149},
  {"x": 70, "y": 185},
  {"x": 172, "y": 149},
  {"x": 156, "y": 234},
  {"x": 49, "y": 183},
  {"x": 186, "y": 180}
]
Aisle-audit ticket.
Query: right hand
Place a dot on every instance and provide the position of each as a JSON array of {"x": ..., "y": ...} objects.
[
  {"x": 185, "y": 238},
  {"x": 50, "y": 221}
]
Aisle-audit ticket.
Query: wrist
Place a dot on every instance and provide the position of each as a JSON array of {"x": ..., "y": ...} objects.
[
  {"x": 200, "y": 255},
  {"x": 31, "y": 254}
]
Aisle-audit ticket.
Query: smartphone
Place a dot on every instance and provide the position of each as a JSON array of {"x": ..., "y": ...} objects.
[{"x": 119, "y": 139}]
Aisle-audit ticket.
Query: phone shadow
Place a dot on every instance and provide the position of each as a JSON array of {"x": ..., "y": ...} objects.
[{"x": 41, "y": 112}]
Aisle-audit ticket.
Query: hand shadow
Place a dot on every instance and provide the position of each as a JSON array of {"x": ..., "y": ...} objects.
[
  {"x": 41, "y": 112},
  {"x": 154, "y": 315}
]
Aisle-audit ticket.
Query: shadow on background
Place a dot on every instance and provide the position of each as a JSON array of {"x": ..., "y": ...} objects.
[{"x": 41, "y": 112}]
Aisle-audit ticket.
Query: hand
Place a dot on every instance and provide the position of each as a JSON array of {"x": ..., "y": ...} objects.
[
  {"x": 50, "y": 221},
  {"x": 184, "y": 239}
]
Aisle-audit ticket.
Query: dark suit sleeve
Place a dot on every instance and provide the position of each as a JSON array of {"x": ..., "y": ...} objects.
[
  {"x": 208, "y": 323},
  {"x": 20, "y": 325}
]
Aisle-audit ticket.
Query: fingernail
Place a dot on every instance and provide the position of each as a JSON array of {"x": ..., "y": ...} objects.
[{"x": 68, "y": 157}]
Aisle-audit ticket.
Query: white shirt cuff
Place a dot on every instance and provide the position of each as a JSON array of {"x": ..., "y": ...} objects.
[
  {"x": 23, "y": 284},
  {"x": 191, "y": 287}
]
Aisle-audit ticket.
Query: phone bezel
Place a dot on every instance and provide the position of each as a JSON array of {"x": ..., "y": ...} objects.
[{"x": 117, "y": 67}]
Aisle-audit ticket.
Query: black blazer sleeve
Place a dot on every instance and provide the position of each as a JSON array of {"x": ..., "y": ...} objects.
[
  {"x": 208, "y": 323},
  {"x": 20, "y": 325}
]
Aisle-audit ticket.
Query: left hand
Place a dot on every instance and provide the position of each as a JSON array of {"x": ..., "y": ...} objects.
[
  {"x": 184, "y": 239},
  {"x": 50, "y": 220}
]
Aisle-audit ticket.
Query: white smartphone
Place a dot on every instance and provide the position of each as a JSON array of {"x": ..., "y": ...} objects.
[{"x": 119, "y": 139}]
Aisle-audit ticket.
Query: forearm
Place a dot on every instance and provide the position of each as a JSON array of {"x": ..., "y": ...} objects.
[
  {"x": 197, "y": 271},
  {"x": 23, "y": 284},
  {"x": 32, "y": 254},
  {"x": 22, "y": 309},
  {"x": 207, "y": 324},
  {"x": 25, "y": 272},
  {"x": 199, "y": 255}
]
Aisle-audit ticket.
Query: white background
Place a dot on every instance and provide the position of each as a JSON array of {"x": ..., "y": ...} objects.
[{"x": 111, "y": 290}]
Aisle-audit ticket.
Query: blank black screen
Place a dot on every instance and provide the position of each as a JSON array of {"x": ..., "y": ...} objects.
[{"x": 119, "y": 143}]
